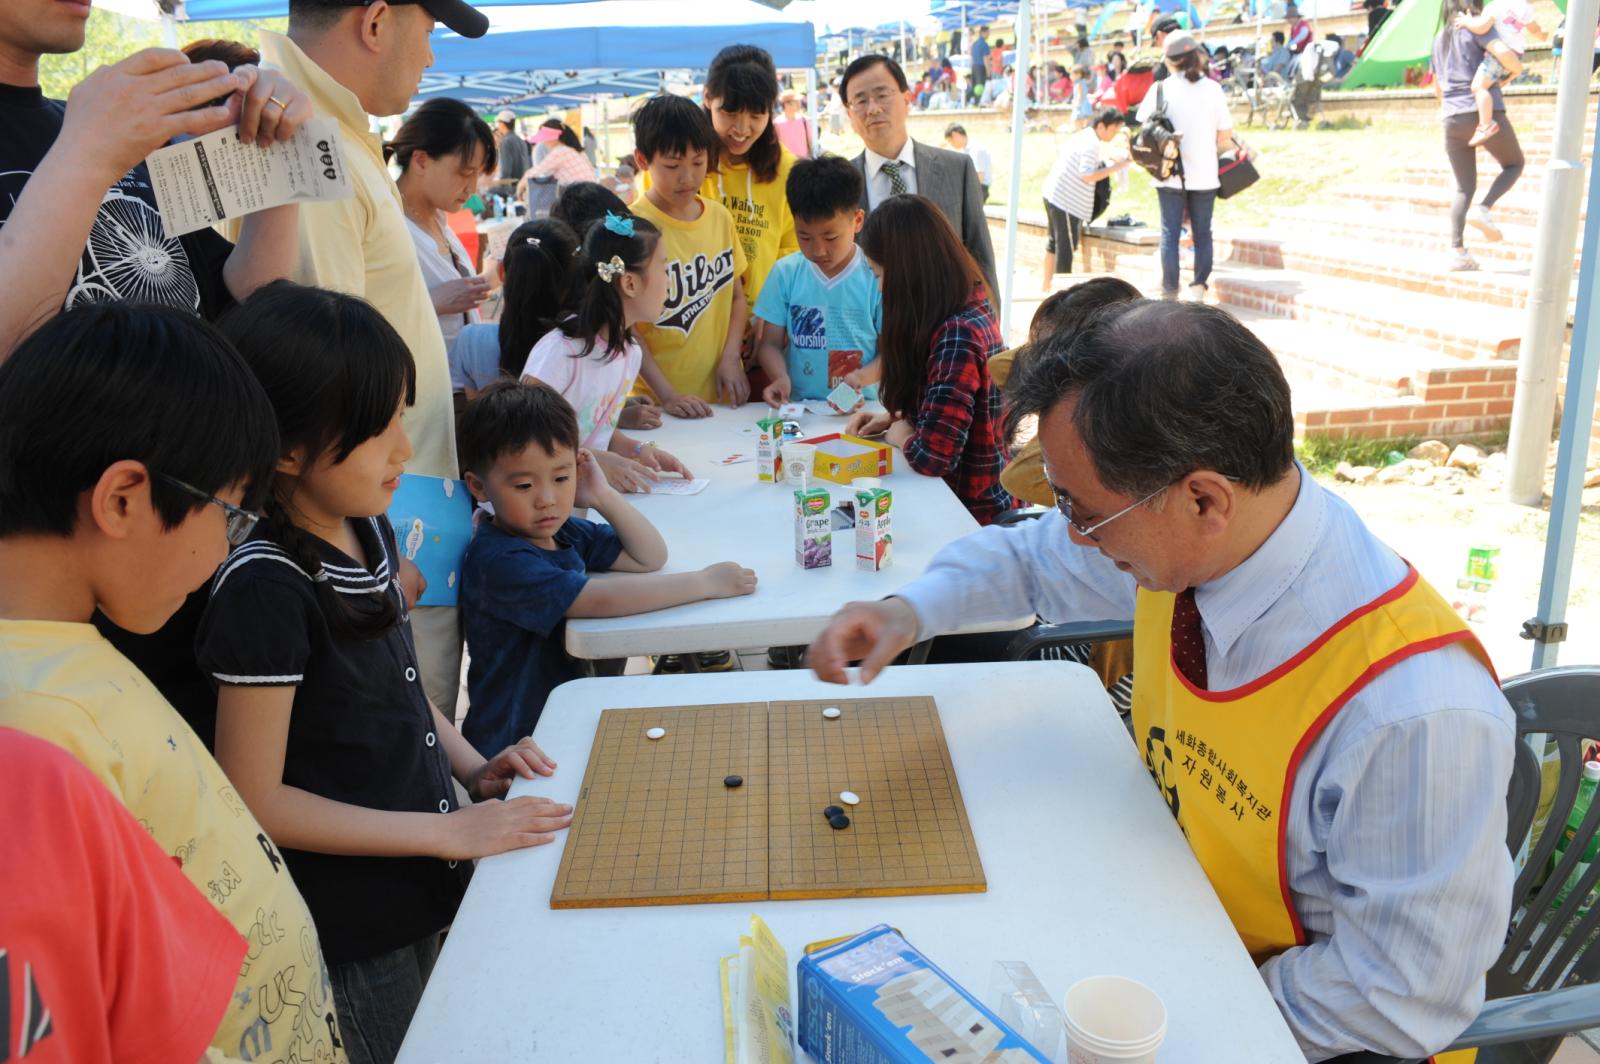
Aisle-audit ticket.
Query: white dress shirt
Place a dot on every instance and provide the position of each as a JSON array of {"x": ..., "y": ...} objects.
[
  {"x": 878, "y": 185},
  {"x": 1396, "y": 848}
]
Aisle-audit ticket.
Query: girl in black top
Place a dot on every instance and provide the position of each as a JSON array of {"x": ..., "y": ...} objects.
[{"x": 322, "y": 723}]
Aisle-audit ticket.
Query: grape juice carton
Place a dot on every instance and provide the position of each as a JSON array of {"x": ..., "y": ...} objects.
[
  {"x": 874, "y": 540},
  {"x": 769, "y": 449},
  {"x": 813, "y": 528}
]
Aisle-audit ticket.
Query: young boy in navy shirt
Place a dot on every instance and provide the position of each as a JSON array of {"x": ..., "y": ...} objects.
[
  {"x": 823, "y": 302},
  {"x": 529, "y": 567}
]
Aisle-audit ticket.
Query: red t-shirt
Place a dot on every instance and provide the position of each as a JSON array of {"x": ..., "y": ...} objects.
[{"x": 107, "y": 951}]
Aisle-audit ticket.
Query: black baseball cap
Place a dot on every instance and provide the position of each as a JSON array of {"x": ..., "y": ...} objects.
[{"x": 458, "y": 15}]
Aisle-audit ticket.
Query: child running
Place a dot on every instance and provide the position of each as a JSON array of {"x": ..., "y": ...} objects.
[
  {"x": 938, "y": 334},
  {"x": 694, "y": 345},
  {"x": 823, "y": 304},
  {"x": 322, "y": 723},
  {"x": 134, "y": 447},
  {"x": 528, "y": 568},
  {"x": 1510, "y": 21},
  {"x": 537, "y": 275},
  {"x": 592, "y": 358}
]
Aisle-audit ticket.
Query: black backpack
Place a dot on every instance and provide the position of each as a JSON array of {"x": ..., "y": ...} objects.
[{"x": 1155, "y": 145}]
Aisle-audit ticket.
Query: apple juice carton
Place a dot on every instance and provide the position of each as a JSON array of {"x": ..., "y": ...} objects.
[
  {"x": 769, "y": 449},
  {"x": 874, "y": 540},
  {"x": 813, "y": 528}
]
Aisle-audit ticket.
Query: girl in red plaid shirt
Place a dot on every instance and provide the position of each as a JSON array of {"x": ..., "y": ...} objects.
[{"x": 941, "y": 408}]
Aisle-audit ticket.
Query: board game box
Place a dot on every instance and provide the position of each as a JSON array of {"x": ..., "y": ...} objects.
[{"x": 875, "y": 999}]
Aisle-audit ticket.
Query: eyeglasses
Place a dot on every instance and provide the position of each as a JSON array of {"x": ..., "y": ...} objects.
[
  {"x": 867, "y": 100},
  {"x": 1064, "y": 504},
  {"x": 241, "y": 522}
]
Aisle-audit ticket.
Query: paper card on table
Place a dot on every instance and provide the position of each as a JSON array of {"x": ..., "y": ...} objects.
[
  {"x": 792, "y": 411},
  {"x": 202, "y": 181},
  {"x": 678, "y": 486},
  {"x": 736, "y": 458},
  {"x": 432, "y": 520}
]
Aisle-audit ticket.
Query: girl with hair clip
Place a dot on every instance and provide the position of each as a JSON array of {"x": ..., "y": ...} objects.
[
  {"x": 322, "y": 723},
  {"x": 537, "y": 275},
  {"x": 592, "y": 357},
  {"x": 941, "y": 407}
]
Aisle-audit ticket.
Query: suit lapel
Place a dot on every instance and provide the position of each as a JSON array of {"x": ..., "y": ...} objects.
[
  {"x": 933, "y": 179},
  {"x": 861, "y": 165}
]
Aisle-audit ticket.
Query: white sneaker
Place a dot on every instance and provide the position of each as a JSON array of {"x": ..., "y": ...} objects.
[
  {"x": 1481, "y": 220},
  {"x": 1462, "y": 260},
  {"x": 1195, "y": 293}
]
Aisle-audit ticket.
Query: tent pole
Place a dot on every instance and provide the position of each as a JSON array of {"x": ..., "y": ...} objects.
[
  {"x": 605, "y": 124},
  {"x": 1019, "y": 122},
  {"x": 1545, "y": 322},
  {"x": 169, "y": 29},
  {"x": 811, "y": 110},
  {"x": 1548, "y": 627}
]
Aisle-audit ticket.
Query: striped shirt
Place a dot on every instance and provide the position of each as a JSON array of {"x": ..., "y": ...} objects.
[
  {"x": 1396, "y": 849},
  {"x": 1064, "y": 186}
]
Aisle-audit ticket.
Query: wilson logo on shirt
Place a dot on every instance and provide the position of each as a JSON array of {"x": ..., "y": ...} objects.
[{"x": 691, "y": 286}]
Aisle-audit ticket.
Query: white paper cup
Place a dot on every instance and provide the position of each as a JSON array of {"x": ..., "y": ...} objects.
[
  {"x": 797, "y": 458},
  {"x": 866, "y": 482},
  {"x": 1112, "y": 1020}
]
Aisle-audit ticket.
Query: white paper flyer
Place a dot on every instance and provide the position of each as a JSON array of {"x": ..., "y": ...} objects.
[{"x": 202, "y": 181}]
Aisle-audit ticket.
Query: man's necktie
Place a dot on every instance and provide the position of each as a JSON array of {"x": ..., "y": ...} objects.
[
  {"x": 897, "y": 183},
  {"x": 1188, "y": 641}
]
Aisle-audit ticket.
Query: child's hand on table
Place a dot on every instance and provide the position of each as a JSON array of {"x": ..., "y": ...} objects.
[
  {"x": 640, "y": 413},
  {"x": 655, "y": 458},
  {"x": 688, "y": 406},
  {"x": 777, "y": 393},
  {"x": 494, "y": 776},
  {"x": 728, "y": 580},
  {"x": 495, "y": 827},
  {"x": 899, "y": 434},
  {"x": 868, "y": 423},
  {"x": 600, "y": 474}
]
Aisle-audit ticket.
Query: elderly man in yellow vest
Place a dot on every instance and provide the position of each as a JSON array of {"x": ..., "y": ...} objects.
[
  {"x": 358, "y": 58},
  {"x": 1353, "y": 823}
]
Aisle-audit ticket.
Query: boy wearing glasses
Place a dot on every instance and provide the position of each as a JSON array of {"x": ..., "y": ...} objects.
[
  {"x": 874, "y": 92},
  {"x": 133, "y": 444}
]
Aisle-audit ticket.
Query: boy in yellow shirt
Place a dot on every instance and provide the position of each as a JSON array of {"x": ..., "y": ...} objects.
[
  {"x": 694, "y": 346},
  {"x": 103, "y": 503}
]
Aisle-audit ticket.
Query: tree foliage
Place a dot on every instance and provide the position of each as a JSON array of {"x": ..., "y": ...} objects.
[{"x": 111, "y": 37}]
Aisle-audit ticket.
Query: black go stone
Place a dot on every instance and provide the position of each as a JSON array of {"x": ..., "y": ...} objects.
[
  {"x": 839, "y": 821},
  {"x": 733, "y": 781},
  {"x": 832, "y": 811}
]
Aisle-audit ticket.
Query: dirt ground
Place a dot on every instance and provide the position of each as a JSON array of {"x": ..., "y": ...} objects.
[{"x": 1434, "y": 527}]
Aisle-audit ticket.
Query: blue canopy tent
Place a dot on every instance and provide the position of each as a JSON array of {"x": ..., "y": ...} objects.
[
  {"x": 537, "y": 91},
  {"x": 202, "y": 10}
]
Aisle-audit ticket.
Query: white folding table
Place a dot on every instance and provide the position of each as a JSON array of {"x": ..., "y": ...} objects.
[
  {"x": 1087, "y": 874},
  {"x": 738, "y": 518}
]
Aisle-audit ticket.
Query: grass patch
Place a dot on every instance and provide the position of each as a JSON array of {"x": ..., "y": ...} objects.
[{"x": 1320, "y": 454}]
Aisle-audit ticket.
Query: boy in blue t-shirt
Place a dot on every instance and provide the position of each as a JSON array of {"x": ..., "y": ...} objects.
[
  {"x": 822, "y": 303},
  {"x": 528, "y": 568}
]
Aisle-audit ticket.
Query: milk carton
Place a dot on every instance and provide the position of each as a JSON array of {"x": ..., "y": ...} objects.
[
  {"x": 769, "y": 449},
  {"x": 813, "y": 528},
  {"x": 874, "y": 541}
]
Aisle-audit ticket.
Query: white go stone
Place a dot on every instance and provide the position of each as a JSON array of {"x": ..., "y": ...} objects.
[
  {"x": 832, "y": 712},
  {"x": 849, "y": 797},
  {"x": 655, "y": 733}
]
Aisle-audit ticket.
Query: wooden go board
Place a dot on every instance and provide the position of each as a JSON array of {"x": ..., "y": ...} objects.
[{"x": 654, "y": 823}]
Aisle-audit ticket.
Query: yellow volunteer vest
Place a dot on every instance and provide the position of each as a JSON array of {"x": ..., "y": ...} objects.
[{"x": 1225, "y": 761}]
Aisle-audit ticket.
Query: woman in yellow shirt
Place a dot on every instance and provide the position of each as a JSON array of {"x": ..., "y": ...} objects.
[{"x": 752, "y": 168}]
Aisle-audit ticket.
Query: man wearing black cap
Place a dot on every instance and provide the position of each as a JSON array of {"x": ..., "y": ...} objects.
[
  {"x": 358, "y": 58},
  {"x": 1159, "y": 31}
]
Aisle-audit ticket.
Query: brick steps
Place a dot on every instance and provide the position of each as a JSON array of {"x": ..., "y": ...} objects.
[
  {"x": 1402, "y": 230},
  {"x": 1343, "y": 368},
  {"x": 1439, "y": 174},
  {"x": 1499, "y": 283},
  {"x": 1432, "y": 325},
  {"x": 1519, "y": 207}
]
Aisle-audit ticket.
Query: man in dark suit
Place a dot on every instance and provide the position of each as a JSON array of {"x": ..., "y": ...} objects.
[{"x": 874, "y": 92}]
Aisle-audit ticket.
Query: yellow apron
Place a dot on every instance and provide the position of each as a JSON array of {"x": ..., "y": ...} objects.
[{"x": 1225, "y": 761}]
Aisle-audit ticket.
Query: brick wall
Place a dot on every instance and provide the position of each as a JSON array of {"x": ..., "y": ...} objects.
[{"x": 1473, "y": 399}]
